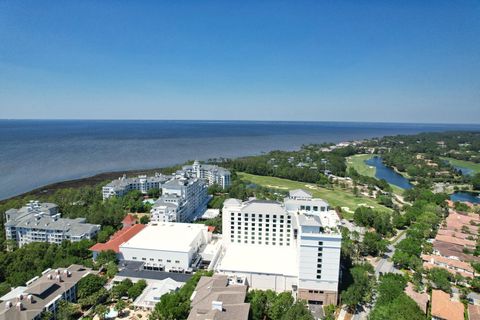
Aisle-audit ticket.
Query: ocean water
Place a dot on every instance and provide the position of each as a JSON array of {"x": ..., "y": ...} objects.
[{"x": 34, "y": 153}]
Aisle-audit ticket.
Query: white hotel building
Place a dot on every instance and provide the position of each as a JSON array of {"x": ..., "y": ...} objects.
[
  {"x": 213, "y": 174},
  {"x": 290, "y": 246},
  {"x": 123, "y": 185},
  {"x": 183, "y": 199}
]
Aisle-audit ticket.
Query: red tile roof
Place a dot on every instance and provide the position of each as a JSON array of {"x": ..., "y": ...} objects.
[
  {"x": 118, "y": 238},
  {"x": 473, "y": 312},
  {"x": 129, "y": 219},
  {"x": 443, "y": 307}
]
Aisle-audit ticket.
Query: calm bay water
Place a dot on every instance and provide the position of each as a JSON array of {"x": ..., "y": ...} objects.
[
  {"x": 35, "y": 153},
  {"x": 384, "y": 172},
  {"x": 462, "y": 196}
]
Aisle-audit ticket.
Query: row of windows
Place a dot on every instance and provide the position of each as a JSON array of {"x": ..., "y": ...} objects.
[
  {"x": 319, "y": 260},
  {"x": 260, "y": 242},
  {"x": 159, "y": 260}
]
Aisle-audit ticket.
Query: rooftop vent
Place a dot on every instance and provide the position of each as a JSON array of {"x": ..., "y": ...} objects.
[
  {"x": 217, "y": 305},
  {"x": 8, "y": 305},
  {"x": 19, "y": 306}
]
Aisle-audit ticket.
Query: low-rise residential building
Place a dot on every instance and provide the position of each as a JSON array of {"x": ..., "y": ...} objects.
[
  {"x": 456, "y": 236},
  {"x": 44, "y": 294},
  {"x": 218, "y": 298},
  {"x": 444, "y": 308},
  {"x": 290, "y": 246},
  {"x": 183, "y": 199},
  {"x": 174, "y": 247},
  {"x": 213, "y": 174},
  {"x": 42, "y": 222},
  {"x": 154, "y": 291},
  {"x": 143, "y": 183},
  {"x": 452, "y": 265}
]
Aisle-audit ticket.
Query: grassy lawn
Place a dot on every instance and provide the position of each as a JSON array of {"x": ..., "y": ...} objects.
[
  {"x": 464, "y": 164},
  {"x": 336, "y": 197},
  {"x": 358, "y": 163}
]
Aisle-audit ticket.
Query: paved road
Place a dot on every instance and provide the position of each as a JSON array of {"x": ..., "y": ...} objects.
[{"x": 383, "y": 266}]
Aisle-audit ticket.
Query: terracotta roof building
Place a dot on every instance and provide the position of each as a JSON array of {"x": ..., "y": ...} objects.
[
  {"x": 443, "y": 308},
  {"x": 129, "y": 221},
  {"x": 117, "y": 239}
]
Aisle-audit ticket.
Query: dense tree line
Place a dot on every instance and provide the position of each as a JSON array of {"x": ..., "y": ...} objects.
[
  {"x": 392, "y": 302},
  {"x": 268, "y": 305}
]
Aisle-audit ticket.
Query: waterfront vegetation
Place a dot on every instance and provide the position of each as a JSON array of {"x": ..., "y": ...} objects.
[{"x": 340, "y": 176}]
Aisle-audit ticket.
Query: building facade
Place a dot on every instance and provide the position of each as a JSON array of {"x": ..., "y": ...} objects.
[
  {"x": 142, "y": 183},
  {"x": 167, "y": 246},
  {"x": 213, "y": 174},
  {"x": 290, "y": 246},
  {"x": 183, "y": 200},
  {"x": 41, "y": 222}
]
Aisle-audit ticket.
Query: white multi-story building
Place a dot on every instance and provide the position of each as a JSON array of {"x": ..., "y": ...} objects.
[
  {"x": 142, "y": 183},
  {"x": 41, "y": 222},
  {"x": 183, "y": 199},
  {"x": 290, "y": 246},
  {"x": 213, "y": 174}
]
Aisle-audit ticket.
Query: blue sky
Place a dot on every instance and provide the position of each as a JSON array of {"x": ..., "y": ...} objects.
[{"x": 400, "y": 61}]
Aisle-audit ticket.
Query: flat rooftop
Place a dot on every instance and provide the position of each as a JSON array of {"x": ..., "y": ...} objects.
[
  {"x": 166, "y": 237},
  {"x": 260, "y": 259}
]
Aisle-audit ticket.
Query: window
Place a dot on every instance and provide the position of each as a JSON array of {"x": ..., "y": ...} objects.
[
  {"x": 169, "y": 261},
  {"x": 319, "y": 265},
  {"x": 134, "y": 258},
  {"x": 320, "y": 243},
  {"x": 319, "y": 277},
  {"x": 176, "y": 261},
  {"x": 144, "y": 259},
  {"x": 315, "y": 208}
]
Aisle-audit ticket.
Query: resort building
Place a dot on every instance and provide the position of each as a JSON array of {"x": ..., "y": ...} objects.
[
  {"x": 290, "y": 246},
  {"x": 43, "y": 294},
  {"x": 41, "y": 222},
  {"x": 176, "y": 247},
  {"x": 213, "y": 174},
  {"x": 218, "y": 298},
  {"x": 123, "y": 185},
  {"x": 183, "y": 199}
]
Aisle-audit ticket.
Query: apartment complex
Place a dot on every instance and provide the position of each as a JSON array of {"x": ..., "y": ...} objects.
[
  {"x": 143, "y": 183},
  {"x": 213, "y": 174},
  {"x": 183, "y": 199},
  {"x": 43, "y": 294},
  {"x": 290, "y": 246},
  {"x": 42, "y": 222}
]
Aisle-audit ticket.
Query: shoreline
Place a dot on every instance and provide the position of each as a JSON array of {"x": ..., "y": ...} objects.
[{"x": 92, "y": 180}]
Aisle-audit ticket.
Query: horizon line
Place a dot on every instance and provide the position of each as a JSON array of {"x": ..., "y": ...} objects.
[{"x": 241, "y": 120}]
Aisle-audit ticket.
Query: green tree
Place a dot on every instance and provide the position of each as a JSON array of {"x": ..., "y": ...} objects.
[
  {"x": 441, "y": 278},
  {"x": 89, "y": 284},
  {"x": 154, "y": 193},
  {"x": 144, "y": 219},
  {"x": 66, "y": 311}
]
